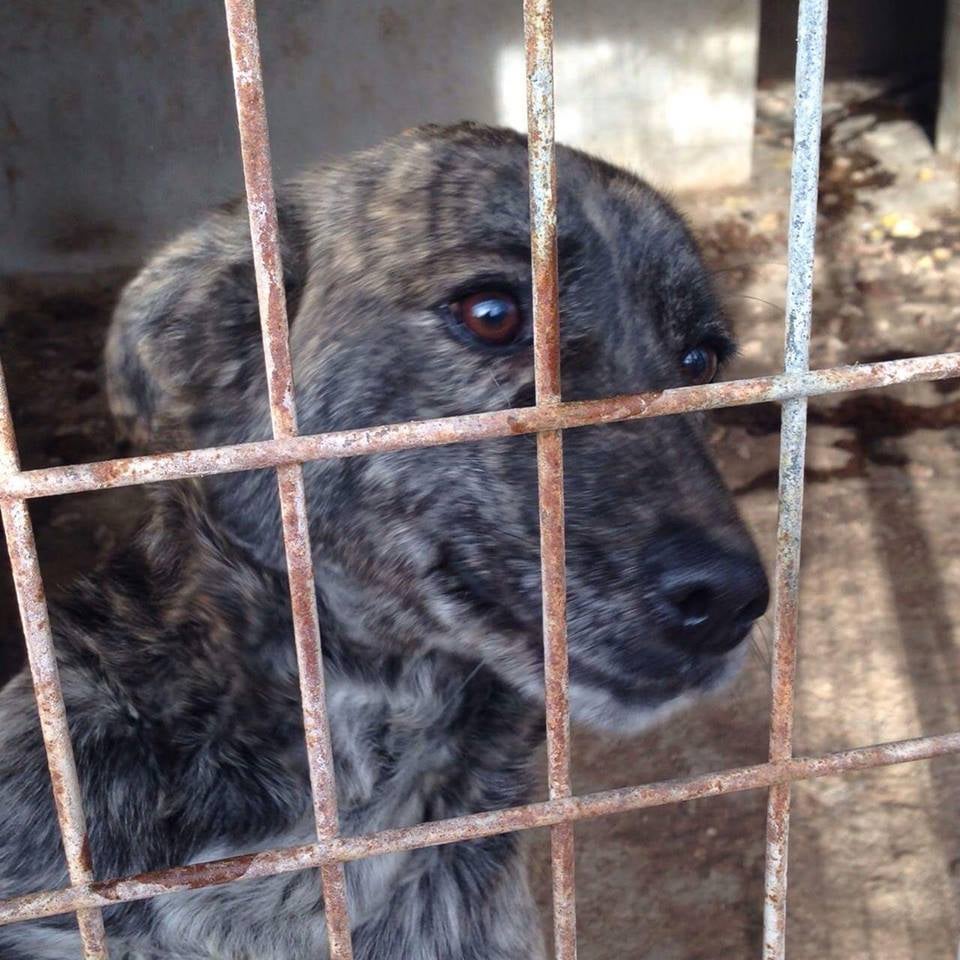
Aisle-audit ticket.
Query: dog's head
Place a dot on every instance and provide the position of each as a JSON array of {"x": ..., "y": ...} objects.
[{"x": 409, "y": 284}]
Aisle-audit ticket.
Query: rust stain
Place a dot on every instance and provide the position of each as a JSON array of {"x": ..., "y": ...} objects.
[{"x": 391, "y": 24}]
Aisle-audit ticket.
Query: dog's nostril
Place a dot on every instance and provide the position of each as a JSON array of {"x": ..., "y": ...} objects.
[
  {"x": 693, "y": 605},
  {"x": 706, "y": 597}
]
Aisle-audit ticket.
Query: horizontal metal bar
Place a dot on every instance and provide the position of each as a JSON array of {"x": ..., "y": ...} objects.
[
  {"x": 563, "y": 810},
  {"x": 76, "y": 478}
]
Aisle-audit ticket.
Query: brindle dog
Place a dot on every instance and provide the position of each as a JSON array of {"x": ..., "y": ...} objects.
[{"x": 408, "y": 279}]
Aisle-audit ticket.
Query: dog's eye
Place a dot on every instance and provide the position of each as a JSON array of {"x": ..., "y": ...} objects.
[
  {"x": 491, "y": 316},
  {"x": 700, "y": 364}
]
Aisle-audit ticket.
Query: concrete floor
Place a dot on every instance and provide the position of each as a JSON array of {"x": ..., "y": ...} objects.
[{"x": 875, "y": 857}]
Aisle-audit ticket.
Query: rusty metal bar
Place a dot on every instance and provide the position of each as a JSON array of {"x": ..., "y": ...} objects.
[
  {"x": 131, "y": 471},
  {"x": 804, "y": 178},
  {"x": 538, "y": 37},
  {"x": 567, "y": 809},
  {"x": 264, "y": 232},
  {"x": 52, "y": 712}
]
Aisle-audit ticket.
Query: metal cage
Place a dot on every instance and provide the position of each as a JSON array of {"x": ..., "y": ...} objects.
[{"x": 548, "y": 418}]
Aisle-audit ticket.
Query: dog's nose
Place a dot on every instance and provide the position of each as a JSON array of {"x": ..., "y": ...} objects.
[{"x": 707, "y": 597}]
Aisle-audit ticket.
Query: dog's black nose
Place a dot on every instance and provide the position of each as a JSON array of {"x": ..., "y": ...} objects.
[{"x": 706, "y": 597}]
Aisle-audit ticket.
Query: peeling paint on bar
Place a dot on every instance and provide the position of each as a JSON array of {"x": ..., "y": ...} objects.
[
  {"x": 388, "y": 438},
  {"x": 563, "y": 810},
  {"x": 32, "y": 603},
  {"x": 804, "y": 178},
  {"x": 538, "y": 38},
  {"x": 264, "y": 232}
]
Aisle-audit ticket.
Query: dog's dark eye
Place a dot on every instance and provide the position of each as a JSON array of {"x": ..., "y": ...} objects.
[
  {"x": 700, "y": 364},
  {"x": 492, "y": 317}
]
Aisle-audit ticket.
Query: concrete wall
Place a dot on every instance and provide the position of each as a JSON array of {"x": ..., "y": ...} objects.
[
  {"x": 117, "y": 117},
  {"x": 948, "y": 120}
]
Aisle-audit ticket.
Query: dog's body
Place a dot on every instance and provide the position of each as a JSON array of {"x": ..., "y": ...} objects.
[
  {"x": 180, "y": 681},
  {"x": 408, "y": 285}
]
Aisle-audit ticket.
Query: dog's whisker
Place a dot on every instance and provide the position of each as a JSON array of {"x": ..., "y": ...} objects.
[
  {"x": 748, "y": 265},
  {"x": 779, "y": 307},
  {"x": 760, "y": 648},
  {"x": 759, "y": 652}
]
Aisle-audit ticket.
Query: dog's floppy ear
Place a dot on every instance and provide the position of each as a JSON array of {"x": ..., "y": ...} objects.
[{"x": 184, "y": 358}]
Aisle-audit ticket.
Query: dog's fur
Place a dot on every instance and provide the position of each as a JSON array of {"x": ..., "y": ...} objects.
[{"x": 176, "y": 659}]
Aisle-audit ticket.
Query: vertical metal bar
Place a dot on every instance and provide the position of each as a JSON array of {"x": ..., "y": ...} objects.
[
  {"x": 264, "y": 231},
  {"x": 538, "y": 36},
  {"x": 31, "y": 599},
  {"x": 811, "y": 47}
]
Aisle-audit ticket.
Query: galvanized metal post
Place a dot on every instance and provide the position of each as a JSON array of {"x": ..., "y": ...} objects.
[{"x": 811, "y": 46}]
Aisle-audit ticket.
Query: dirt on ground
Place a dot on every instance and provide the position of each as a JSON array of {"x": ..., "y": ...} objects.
[{"x": 874, "y": 857}]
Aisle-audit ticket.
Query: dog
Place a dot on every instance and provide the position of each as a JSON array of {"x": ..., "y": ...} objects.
[{"x": 408, "y": 282}]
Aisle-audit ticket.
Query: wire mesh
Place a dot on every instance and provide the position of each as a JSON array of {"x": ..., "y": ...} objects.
[{"x": 287, "y": 451}]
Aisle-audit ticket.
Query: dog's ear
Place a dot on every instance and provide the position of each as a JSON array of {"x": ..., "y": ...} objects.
[{"x": 184, "y": 357}]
